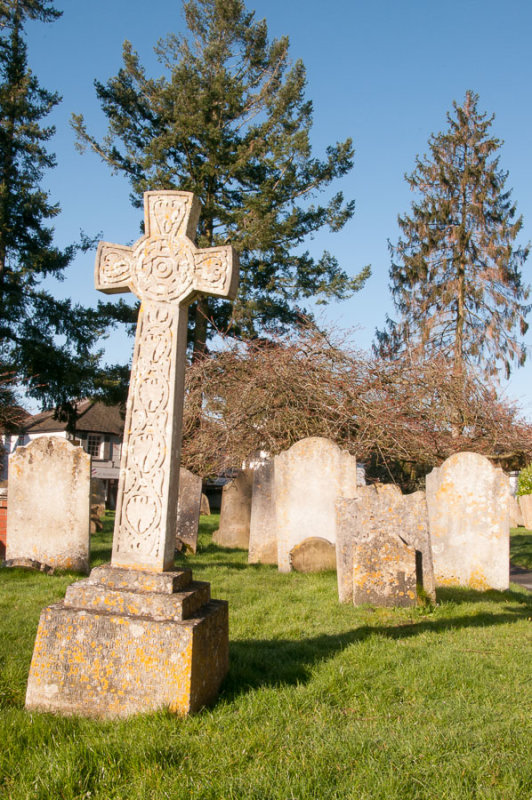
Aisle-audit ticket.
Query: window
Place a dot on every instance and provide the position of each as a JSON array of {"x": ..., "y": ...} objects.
[{"x": 94, "y": 442}]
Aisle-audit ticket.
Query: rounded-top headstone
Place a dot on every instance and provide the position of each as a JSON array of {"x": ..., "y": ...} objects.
[
  {"x": 309, "y": 478},
  {"x": 468, "y": 506}
]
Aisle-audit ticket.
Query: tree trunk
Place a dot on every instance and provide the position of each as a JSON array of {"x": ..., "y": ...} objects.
[
  {"x": 457, "y": 423},
  {"x": 201, "y": 319}
]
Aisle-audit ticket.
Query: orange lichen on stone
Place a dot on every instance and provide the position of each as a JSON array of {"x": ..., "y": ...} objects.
[{"x": 118, "y": 664}]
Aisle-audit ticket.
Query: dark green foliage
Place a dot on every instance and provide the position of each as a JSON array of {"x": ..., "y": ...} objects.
[
  {"x": 524, "y": 483},
  {"x": 229, "y": 121},
  {"x": 53, "y": 369},
  {"x": 456, "y": 271}
]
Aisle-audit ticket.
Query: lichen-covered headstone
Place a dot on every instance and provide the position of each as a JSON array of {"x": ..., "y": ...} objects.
[
  {"x": 384, "y": 570},
  {"x": 235, "y": 513},
  {"x": 383, "y": 547},
  {"x": 516, "y": 515},
  {"x": 139, "y": 635},
  {"x": 468, "y": 505},
  {"x": 188, "y": 510},
  {"x": 309, "y": 477},
  {"x": 262, "y": 529},
  {"x": 48, "y": 516}
]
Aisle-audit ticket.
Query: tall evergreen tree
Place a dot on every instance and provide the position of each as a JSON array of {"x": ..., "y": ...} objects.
[
  {"x": 229, "y": 121},
  {"x": 456, "y": 271},
  {"x": 53, "y": 370}
]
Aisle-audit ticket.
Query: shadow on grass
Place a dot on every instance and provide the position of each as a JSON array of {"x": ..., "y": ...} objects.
[
  {"x": 461, "y": 594},
  {"x": 225, "y": 555},
  {"x": 256, "y": 663}
]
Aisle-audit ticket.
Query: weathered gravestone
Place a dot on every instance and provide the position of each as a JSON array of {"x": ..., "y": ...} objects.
[
  {"x": 97, "y": 504},
  {"x": 205, "y": 507},
  {"x": 468, "y": 505},
  {"x": 235, "y": 513},
  {"x": 384, "y": 570},
  {"x": 525, "y": 506},
  {"x": 313, "y": 554},
  {"x": 516, "y": 515},
  {"x": 383, "y": 547},
  {"x": 49, "y": 504},
  {"x": 262, "y": 528},
  {"x": 309, "y": 477},
  {"x": 3, "y": 521},
  {"x": 137, "y": 635},
  {"x": 188, "y": 510}
]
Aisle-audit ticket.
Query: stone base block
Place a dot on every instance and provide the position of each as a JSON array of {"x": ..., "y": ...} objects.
[{"x": 97, "y": 655}]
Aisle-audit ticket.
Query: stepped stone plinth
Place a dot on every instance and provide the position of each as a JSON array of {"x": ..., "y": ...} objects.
[{"x": 125, "y": 642}]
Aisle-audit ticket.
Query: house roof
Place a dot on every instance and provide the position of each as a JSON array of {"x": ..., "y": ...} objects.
[{"x": 93, "y": 416}]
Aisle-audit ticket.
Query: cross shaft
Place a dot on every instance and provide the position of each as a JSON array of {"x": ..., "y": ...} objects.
[{"x": 167, "y": 272}]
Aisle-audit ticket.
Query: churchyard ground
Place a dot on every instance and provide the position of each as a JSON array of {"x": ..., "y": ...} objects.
[{"x": 322, "y": 700}]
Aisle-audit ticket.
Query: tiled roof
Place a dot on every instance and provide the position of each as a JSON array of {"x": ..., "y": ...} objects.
[{"x": 94, "y": 416}]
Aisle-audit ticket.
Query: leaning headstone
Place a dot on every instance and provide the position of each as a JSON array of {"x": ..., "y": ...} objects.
[
  {"x": 235, "y": 514},
  {"x": 98, "y": 496},
  {"x": 262, "y": 528},
  {"x": 49, "y": 504},
  {"x": 378, "y": 532},
  {"x": 468, "y": 505},
  {"x": 205, "y": 507},
  {"x": 525, "y": 506},
  {"x": 97, "y": 504},
  {"x": 138, "y": 635},
  {"x": 516, "y": 515},
  {"x": 188, "y": 510},
  {"x": 309, "y": 477},
  {"x": 3, "y": 522}
]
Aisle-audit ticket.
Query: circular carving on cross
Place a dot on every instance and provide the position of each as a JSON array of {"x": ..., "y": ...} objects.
[{"x": 163, "y": 269}]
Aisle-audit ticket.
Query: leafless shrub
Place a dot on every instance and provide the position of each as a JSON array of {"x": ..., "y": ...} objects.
[{"x": 398, "y": 416}]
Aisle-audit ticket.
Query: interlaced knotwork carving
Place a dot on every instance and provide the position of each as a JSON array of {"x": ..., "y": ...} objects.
[{"x": 167, "y": 272}]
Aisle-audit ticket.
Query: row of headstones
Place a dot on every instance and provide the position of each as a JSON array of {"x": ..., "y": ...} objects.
[
  {"x": 53, "y": 505},
  {"x": 303, "y": 510}
]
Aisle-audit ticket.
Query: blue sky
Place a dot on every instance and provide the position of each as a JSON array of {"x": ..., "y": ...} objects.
[{"x": 384, "y": 73}]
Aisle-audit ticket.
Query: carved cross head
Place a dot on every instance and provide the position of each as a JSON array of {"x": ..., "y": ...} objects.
[{"x": 164, "y": 265}]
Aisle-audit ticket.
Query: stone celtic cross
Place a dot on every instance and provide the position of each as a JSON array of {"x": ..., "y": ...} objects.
[{"x": 166, "y": 271}]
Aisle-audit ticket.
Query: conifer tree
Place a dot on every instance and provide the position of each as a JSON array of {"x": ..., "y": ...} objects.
[
  {"x": 53, "y": 370},
  {"x": 456, "y": 271},
  {"x": 229, "y": 121}
]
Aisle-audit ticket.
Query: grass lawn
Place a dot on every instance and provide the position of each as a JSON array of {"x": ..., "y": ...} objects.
[{"x": 321, "y": 701}]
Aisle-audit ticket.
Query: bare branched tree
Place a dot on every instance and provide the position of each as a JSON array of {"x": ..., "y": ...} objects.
[{"x": 395, "y": 416}]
